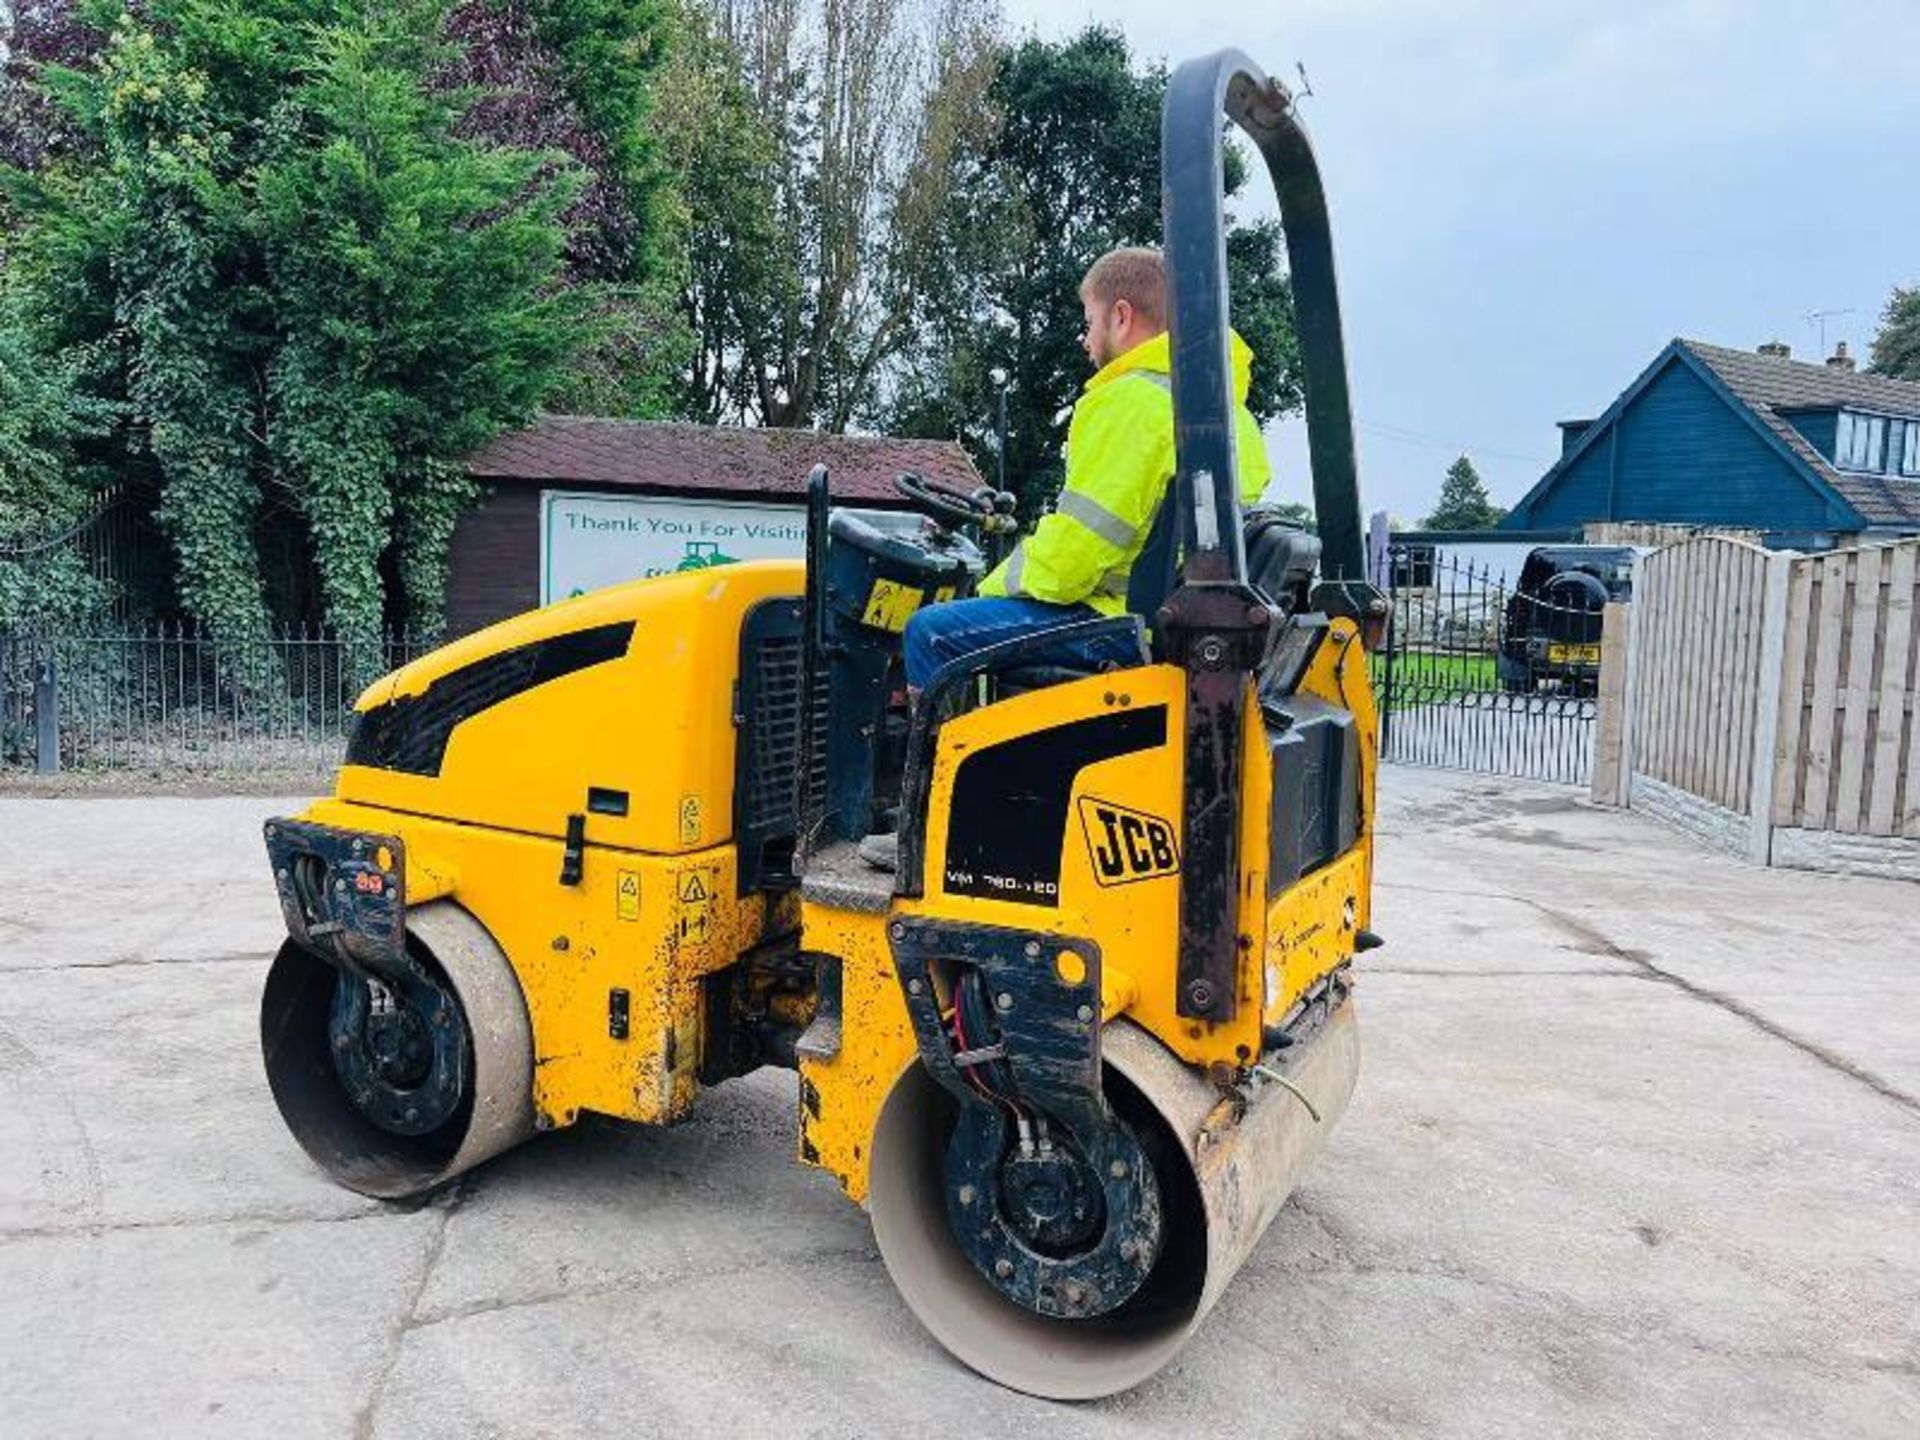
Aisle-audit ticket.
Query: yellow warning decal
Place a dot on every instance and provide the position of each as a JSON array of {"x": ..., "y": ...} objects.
[
  {"x": 689, "y": 819},
  {"x": 693, "y": 890},
  {"x": 890, "y": 605},
  {"x": 627, "y": 895}
]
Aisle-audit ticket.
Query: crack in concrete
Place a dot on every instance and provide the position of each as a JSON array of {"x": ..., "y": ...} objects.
[
  {"x": 136, "y": 961},
  {"x": 1585, "y": 931},
  {"x": 1587, "y": 1319},
  {"x": 70, "y": 1175},
  {"x": 1349, "y": 1266},
  {"x": 409, "y": 1318},
  {"x": 201, "y": 1222},
  {"x": 1449, "y": 891},
  {"x": 500, "y": 1304},
  {"x": 1348, "y": 1259},
  {"x": 1305, "y": 1205},
  {"x": 1895, "y": 1367},
  {"x": 1600, "y": 944},
  {"x": 1464, "y": 974}
]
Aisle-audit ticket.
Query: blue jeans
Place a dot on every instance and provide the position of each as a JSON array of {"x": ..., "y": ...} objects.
[{"x": 940, "y": 633}]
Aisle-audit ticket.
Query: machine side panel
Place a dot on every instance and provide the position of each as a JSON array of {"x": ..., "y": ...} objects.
[
  {"x": 1312, "y": 922},
  {"x": 1107, "y": 811},
  {"x": 611, "y": 967},
  {"x": 1310, "y": 931},
  {"x": 1011, "y": 806},
  {"x": 1339, "y": 674},
  {"x": 640, "y": 744},
  {"x": 841, "y": 1093}
]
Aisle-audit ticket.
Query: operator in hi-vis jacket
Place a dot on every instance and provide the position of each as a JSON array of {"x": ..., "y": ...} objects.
[{"x": 1120, "y": 458}]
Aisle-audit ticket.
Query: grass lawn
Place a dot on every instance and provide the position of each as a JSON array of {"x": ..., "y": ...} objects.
[{"x": 1422, "y": 677}]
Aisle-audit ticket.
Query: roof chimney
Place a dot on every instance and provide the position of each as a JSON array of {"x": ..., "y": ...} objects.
[
  {"x": 1778, "y": 349},
  {"x": 1840, "y": 359}
]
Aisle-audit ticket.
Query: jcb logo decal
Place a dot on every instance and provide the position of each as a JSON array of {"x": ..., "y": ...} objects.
[{"x": 1127, "y": 845}]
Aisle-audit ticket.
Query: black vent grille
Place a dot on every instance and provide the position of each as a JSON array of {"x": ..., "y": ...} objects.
[
  {"x": 411, "y": 733},
  {"x": 817, "y": 778},
  {"x": 773, "y": 732},
  {"x": 772, "y": 690}
]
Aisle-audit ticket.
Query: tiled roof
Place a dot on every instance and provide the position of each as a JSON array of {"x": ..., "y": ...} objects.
[
  {"x": 1770, "y": 385},
  {"x": 643, "y": 455}
]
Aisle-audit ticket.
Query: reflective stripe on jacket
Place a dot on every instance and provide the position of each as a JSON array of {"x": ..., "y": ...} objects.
[{"x": 1119, "y": 460}]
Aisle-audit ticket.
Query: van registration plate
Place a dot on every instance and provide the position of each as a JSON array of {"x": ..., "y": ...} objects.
[{"x": 1573, "y": 654}]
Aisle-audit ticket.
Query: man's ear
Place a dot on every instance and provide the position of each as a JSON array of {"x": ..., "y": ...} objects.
[{"x": 1123, "y": 315}]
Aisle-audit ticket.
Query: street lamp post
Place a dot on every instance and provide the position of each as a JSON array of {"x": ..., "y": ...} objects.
[{"x": 999, "y": 379}]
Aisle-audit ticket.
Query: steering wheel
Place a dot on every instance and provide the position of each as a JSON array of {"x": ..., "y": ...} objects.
[{"x": 949, "y": 503}]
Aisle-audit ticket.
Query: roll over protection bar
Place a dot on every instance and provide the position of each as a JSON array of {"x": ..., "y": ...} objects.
[
  {"x": 1215, "y": 624},
  {"x": 1192, "y": 169}
]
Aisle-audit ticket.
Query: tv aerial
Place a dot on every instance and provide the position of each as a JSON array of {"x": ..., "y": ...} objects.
[{"x": 1819, "y": 318}]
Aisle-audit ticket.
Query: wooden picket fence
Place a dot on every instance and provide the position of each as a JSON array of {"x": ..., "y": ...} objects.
[{"x": 1767, "y": 701}]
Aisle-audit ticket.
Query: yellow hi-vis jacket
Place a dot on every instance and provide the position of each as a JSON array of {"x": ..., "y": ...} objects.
[{"x": 1119, "y": 460}]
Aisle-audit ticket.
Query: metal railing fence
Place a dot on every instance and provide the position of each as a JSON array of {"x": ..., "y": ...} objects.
[
  {"x": 171, "y": 700},
  {"x": 1480, "y": 674}
]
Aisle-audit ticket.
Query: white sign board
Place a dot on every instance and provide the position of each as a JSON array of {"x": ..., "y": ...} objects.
[{"x": 587, "y": 541}]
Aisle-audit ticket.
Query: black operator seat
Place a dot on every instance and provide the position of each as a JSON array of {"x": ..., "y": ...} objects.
[{"x": 1281, "y": 558}]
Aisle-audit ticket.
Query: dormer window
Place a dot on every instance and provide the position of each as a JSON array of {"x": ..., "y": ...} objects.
[
  {"x": 1861, "y": 442},
  {"x": 1910, "y": 450}
]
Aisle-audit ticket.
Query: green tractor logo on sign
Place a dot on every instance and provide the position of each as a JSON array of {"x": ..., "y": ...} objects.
[{"x": 704, "y": 555}]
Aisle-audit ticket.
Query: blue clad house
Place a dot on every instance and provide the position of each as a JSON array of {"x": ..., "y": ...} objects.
[{"x": 1812, "y": 455}]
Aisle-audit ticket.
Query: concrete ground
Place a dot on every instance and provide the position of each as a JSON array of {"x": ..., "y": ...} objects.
[{"x": 1636, "y": 1151}]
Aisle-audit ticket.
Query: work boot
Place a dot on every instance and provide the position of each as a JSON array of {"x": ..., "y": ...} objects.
[{"x": 881, "y": 851}]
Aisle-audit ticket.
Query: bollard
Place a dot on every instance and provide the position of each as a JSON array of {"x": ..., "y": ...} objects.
[{"x": 46, "y": 718}]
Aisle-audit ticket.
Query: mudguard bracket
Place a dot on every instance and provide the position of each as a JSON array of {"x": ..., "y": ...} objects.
[
  {"x": 339, "y": 900},
  {"x": 1045, "y": 994}
]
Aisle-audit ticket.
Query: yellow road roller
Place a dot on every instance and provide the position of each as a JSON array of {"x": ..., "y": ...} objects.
[{"x": 1074, "y": 1053}]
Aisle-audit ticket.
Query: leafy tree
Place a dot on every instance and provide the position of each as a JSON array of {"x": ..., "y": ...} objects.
[
  {"x": 278, "y": 239},
  {"x": 46, "y": 484},
  {"x": 813, "y": 229},
  {"x": 35, "y": 33},
  {"x": 1464, "y": 502},
  {"x": 1896, "y": 349},
  {"x": 44, "y": 418},
  {"x": 1070, "y": 170},
  {"x": 734, "y": 268},
  {"x": 583, "y": 78}
]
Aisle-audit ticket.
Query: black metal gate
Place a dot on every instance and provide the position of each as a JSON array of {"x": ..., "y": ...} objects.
[{"x": 1479, "y": 674}]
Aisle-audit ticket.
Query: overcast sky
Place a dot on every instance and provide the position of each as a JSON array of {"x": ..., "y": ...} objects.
[{"x": 1531, "y": 197}]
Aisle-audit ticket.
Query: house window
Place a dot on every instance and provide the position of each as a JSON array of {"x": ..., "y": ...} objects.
[
  {"x": 1411, "y": 567},
  {"x": 1861, "y": 442},
  {"x": 1910, "y": 452}
]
